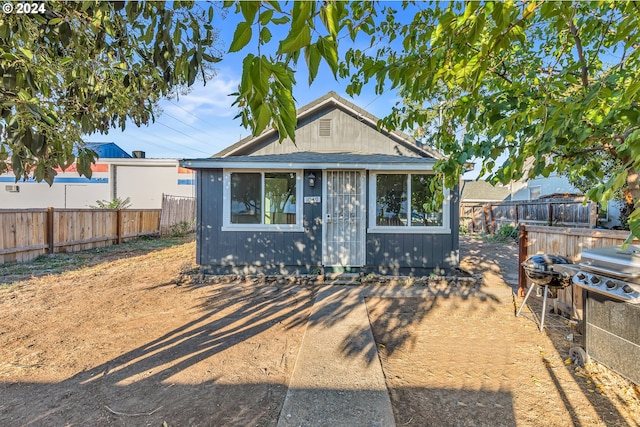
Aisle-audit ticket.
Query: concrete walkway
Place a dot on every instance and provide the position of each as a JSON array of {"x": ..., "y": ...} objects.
[{"x": 338, "y": 379}]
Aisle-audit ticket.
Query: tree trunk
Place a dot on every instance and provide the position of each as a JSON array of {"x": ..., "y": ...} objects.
[{"x": 633, "y": 185}]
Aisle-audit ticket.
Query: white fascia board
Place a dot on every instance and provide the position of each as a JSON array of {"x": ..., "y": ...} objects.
[
  {"x": 139, "y": 162},
  {"x": 208, "y": 164}
]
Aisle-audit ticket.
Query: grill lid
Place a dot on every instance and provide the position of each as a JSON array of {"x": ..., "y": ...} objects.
[
  {"x": 544, "y": 262},
  {"x": 613, "y": 259},
  {"x": 545, "y": 269}
]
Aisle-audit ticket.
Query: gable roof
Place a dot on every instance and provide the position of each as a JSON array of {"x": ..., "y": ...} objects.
[
  {"x": 483, "y": 191},
  {"x": 332, "y": 99}
]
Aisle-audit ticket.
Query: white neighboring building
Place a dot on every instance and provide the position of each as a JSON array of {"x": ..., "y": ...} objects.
[
  {"x": 143, "y": 180},
  {"x": 538, "y": 187}
]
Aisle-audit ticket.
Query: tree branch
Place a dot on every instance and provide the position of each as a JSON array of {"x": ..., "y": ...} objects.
[
  {"x": 493, "y": 69},
  {"x": 581, "y": 58},
  {"x": 604, "y": 33}
]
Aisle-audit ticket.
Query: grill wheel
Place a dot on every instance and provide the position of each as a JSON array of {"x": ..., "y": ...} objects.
[{"x": 578, "y": 356}]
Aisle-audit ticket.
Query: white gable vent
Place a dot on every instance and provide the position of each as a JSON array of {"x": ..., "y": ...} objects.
[
  {"x": 324, "y": 127},
  {"x": 12, "y": 188}
]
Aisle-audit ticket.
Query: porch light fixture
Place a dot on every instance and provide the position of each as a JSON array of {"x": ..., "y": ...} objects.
[{"x": 312, "y": 179}]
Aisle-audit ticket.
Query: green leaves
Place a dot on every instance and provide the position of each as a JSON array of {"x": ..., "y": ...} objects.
[
  {"x": 295, "y": 41},
  {"x": 330, "y": 16},
  {"x": 515, "y": 78},
  {"x": 300, "y": 34},
  {"x": 249, "y": 9},
  {"x": 88, "y": 67},
  {"x": 265, "y": 95},
  {"x": 312, "y": 56},
  {"x": 241, "y": 36}
]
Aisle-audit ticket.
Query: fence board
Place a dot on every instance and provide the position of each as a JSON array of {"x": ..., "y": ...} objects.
[
  {"x": 559, "y": 212},
  {"x": 26, "y": 234},
  {"x": 569, "y": 243},
  {"x": 177, "y": 210},
  {"x": 19, "y": 229},
  {"x": 140, "y": 222}
]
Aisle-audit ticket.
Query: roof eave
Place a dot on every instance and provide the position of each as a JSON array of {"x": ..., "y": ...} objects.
[{"x": 213, "y": 164}]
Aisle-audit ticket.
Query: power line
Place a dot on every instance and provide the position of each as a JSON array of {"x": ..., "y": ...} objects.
[
  {"x": 374, "y": 100},
  {"x": 187, "y": 111},
  {"x": 157, "y": 144},
  {"x": 183, "y": 123},
  {"x": 188, "y": 136}
]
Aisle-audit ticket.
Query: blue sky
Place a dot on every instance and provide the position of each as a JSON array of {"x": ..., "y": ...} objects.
[{"x": 201, "y": 123}]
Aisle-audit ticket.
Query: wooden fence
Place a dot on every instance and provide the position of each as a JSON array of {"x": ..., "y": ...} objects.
[
  {"x": 178, "y": 214},
  {"x": 26, "y": 234},
  {"x": 566, "y": 242},
  {"x": 489, "y": 217}
]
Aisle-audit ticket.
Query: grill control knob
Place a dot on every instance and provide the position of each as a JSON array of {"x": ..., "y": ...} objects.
[
  {"x": 611, "y": 285},
  {"x": 581, "y": 276},
  {"x": 595, "y": 280},
  {"x": 627, "y": 289}
]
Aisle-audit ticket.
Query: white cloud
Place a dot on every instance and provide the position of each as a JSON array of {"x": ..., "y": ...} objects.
[{"x": 205, "y": 102}]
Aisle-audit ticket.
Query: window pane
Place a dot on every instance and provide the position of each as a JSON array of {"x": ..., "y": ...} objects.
[
  {"x": 391, "y": 199},
  {"x": 246, "y": 195},
  {"x": 280, "y": 198},
  {"x": 426, "y": 210}
]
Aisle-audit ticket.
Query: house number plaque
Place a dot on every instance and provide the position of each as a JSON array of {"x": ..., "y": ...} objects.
[{"x": 312, "y": 200}]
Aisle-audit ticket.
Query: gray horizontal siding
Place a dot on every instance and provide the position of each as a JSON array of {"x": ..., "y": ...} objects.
[
  {"x": 244, "y": 252},
  {"x": 247, "y": 252},
  {"x": 347, "y": 135},
  {"x": 415, "y": 253}
]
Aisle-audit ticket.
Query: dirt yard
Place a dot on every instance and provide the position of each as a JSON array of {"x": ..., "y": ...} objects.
[
  {"x": 128, "y": 336},
  {"x": 463, "y": 359}
]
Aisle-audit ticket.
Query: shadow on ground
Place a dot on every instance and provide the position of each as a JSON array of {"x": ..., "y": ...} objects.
[
  {"x": 225, "y": 360},
  {"x": 606, "y": 394}
]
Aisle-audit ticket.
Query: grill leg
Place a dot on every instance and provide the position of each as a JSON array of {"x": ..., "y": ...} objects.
[
  {"x": 544, "y": 308},
  {"x": 533, "y": 285}
]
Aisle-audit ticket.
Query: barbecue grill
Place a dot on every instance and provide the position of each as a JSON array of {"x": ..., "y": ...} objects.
[
  {"x": 611, "y": 271},
  {"x": 550, "y": 273},
  {"x": 610, "y": 279}
]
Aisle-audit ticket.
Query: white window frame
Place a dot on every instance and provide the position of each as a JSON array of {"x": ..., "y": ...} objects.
[
  {"x": 227, "y": 225},
  {"x": 532, "y": 190},
  {"x": 445, "y": 228}
]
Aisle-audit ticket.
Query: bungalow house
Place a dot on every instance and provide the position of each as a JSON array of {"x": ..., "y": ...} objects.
[{"x": 346, "y": 197}]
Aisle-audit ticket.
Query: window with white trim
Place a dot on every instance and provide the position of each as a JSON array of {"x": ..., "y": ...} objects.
[
  {"x": 535, "y": 192},
  {"x": 263, "y": 199},
  {"x": 408, "y": 202}
]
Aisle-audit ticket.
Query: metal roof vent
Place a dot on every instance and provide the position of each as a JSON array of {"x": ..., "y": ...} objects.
[{"x": 324, "y": 127}]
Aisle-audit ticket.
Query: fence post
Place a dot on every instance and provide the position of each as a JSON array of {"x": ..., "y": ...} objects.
[
  {"x": 517, "y": 219},
  {"x": 119, "y": 225},
  {"x": 473, "y": 219},
  {"x": 492, "y": 218},
  {"x": 593, "y": 214},
  {"x": 522, "y": 255},
  {"x": 550, "y": 213},
  {"x": 485, "y": 218},
  {"x": 50, "y": 231}
]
